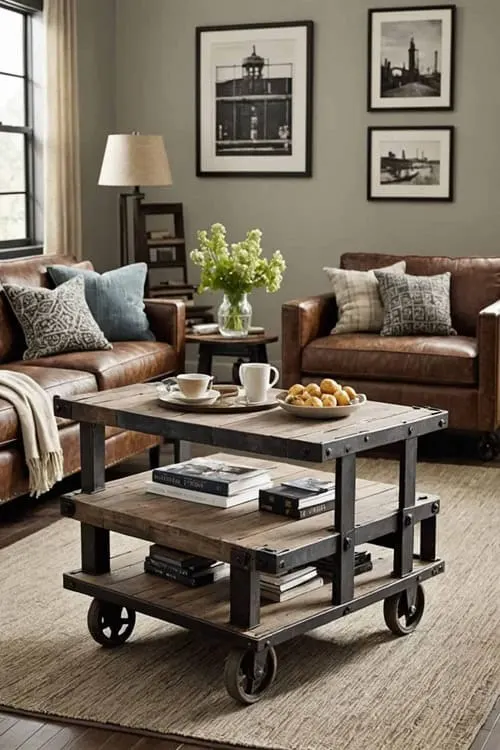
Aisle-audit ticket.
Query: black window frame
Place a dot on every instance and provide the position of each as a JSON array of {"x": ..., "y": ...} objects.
[{"x": 18, "y": 246}]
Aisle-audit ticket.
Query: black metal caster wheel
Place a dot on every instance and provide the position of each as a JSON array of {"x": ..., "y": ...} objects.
[
  {"x": 109, "y": 624},
  {"x": 245, "y": 679},
  {"x": 488, "y": 447},
  {"x": 396, "y": 615}
]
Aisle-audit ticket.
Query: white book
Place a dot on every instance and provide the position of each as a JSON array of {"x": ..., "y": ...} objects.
[
  {"x": 287, "y": 585},
  {"x": 302, "y": 574},
  {"x": 283, "y": 596},
  {"x": 206, "y": 498}
]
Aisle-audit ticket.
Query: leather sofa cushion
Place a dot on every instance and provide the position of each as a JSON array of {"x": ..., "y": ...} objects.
[
  {"x": 30, "y": 271},
  {"x": 475, "y": 282},
  {"x": 437, "y": 360},
  {"x": 56, "y": 382},
  {"x": 126, "y": 363}
]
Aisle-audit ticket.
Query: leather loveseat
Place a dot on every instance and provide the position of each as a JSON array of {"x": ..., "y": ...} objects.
[
  {"x": 80, "y": 372},
  {"x": 458, "y": 373}
]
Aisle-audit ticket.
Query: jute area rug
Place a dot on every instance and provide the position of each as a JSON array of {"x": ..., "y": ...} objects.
[{"x": 347, "y": 685}]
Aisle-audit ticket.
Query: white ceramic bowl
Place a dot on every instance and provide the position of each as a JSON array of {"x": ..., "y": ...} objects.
[{"x": 321, "y": 412}]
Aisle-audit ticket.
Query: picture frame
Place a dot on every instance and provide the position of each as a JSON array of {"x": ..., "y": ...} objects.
[
  {"x": 254, "y": 100},
  {"x": 411, "y": 163},
  {"x": 411, "y": 58}
]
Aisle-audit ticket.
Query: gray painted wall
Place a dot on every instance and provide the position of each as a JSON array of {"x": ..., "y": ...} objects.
[
  {"x": 97, "y": 98},
  {"x": 311, "y": 220}
]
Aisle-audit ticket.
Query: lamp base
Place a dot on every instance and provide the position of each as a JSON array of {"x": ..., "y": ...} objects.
[{"x": 124, "y": 223}]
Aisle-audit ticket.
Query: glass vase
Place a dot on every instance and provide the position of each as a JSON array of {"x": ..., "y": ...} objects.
[{"x": 234, "y": 315}]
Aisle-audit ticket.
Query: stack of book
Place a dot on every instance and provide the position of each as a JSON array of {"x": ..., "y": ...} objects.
[
  {"x": 203, "y": 480},
  {"x": 299, "y": 498},
  {"x": 362, "y": 564},
  {"x": 280, "y": 588},
  {"x": 190, "y": 570}
]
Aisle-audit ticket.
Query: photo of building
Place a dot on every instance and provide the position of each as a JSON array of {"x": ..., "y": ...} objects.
[
  {"x": 254, "y": 107},
  {"x": 411, "y": 59}
]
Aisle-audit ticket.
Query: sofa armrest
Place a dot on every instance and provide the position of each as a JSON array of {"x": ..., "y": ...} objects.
[
  {"x": 167, "y": 320},
  {"x": 302, "y": 321},
  {"x": 488, "y": 342}
]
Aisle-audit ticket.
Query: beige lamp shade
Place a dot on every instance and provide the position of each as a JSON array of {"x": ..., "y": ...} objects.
[{"x": 134, "y": 159}]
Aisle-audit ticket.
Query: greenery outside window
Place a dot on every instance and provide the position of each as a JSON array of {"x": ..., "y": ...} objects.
[{"x": 17, "y": 180}]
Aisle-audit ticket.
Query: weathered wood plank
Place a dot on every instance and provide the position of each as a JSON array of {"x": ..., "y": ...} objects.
[{"x": 212, "y": 602}]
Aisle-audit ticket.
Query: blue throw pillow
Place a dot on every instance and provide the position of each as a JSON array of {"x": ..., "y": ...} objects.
[{"x": 115, "y": 298}]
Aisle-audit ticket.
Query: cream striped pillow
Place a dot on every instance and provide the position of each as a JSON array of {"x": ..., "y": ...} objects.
[{"x": 357, "y": 295}]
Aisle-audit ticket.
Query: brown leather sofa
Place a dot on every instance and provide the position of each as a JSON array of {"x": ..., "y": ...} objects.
[
  {"x": 458, "y": 373},
  {"x": 80, "y": 372}
]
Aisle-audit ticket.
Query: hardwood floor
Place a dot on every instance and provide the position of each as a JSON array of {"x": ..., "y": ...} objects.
[{"x": 22, "y": 518}]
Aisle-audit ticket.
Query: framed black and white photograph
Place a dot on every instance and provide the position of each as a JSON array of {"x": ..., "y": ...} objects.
[
  {"x": 254, "y": 100},
  {"x": 410, "y": 163},
  {"x": 411, "y": 58}
]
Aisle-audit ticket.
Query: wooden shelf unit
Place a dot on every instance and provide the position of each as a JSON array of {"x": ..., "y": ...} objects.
[{"x": 144, "y": 244}]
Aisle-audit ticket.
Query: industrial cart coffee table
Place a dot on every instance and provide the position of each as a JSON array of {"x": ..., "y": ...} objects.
[{"x": 252, "y": 541}]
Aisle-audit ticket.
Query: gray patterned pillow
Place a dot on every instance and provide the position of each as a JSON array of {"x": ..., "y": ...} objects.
[
  {"x": 55, "y": 320},
  {"x": 415, "y": 305}
]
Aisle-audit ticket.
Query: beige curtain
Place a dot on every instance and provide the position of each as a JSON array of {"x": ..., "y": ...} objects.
[{"x": 62, "y": 191}]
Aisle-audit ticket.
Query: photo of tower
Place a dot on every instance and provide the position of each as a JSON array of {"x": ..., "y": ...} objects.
[
  {"x": 253, "y": 105},
  {"x": 411, "y": 59}
]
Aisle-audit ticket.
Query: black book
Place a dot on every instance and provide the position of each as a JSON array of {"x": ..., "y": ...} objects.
[
  {"x": 215, "y": 477},
  {"x": 178, "y": 559},
  {"x": 293, "y": 497},
  {"x": 362, "y": 564},
  {"x": 201, "y": 578},
  {"x": 298, "y": 514}
]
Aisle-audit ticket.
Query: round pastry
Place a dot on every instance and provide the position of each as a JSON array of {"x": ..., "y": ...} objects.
[
  {"x": 313, "y": 401},
  {"x": 350, "y": 392},
  {"x": 313, "y": 389},
  {"x": 342, "y": 398},
  {"x": 328, "y": 399},
  {"x": 328, "y": 385},
  {"x": 296, "y": 389}
]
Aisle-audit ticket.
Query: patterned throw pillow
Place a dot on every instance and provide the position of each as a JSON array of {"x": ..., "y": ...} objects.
[
  {"x": 55, "y": 320},
  {"x": 415, "y": 305},
  {"x": 358, "y": 299}
]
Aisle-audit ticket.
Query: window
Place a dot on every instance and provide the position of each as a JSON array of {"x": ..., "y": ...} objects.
[{"x": 16, "y": 125}]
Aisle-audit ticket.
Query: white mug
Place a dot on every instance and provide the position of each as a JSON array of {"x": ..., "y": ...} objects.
[{"x": 255, "y": 379}]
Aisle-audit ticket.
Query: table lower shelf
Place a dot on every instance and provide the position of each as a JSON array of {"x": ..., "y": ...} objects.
[{"x": 207, "y": 607}]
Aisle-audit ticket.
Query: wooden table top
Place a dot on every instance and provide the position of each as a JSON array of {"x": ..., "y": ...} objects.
[
  {"x": 252, "y": 339},
  {"x": 274, "y": 433}
]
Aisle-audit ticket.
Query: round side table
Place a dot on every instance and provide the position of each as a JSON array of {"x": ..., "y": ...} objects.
[{"x": 252, "y": 348}]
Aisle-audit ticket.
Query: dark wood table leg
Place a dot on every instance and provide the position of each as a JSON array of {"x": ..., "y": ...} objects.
[
  {"x": 95, "y": 541},
  {"x": 403, "y": 550},
  {"x": 244, "y": 588},
  {"x": 259, "y": 353},
  {"x": 428, "y": 529},
  {"x": 92, "y": 457},
  {"x": 95, "y": 549},
  {"x": 154, "y": 456},
  {"x": 205, "y": 358},
  {"x": 236, "y": 371},
  {"x": 344, "y": 513}
]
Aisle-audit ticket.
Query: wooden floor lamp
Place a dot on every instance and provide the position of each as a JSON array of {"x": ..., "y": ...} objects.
[{"x": 133, "y": 160}]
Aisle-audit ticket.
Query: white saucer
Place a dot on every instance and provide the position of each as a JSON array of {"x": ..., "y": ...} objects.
[{"x": 207, "y": 398}]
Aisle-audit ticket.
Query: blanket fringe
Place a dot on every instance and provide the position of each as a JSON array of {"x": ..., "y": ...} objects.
[{"x": 44, "y": 472}]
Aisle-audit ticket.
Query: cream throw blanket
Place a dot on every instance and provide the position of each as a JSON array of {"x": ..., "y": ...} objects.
[{"x": 42, "y": 447}]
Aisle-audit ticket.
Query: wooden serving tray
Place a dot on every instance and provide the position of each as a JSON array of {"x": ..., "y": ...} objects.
[{"x": 226, "y": 404}]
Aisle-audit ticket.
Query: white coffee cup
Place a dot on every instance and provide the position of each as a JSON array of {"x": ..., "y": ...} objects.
[
  {"x": 255, "y": 377},
  {"x": 190, "y": 384}
]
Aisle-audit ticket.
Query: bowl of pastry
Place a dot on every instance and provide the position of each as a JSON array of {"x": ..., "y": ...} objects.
[{"x": 325, "y": 400}]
